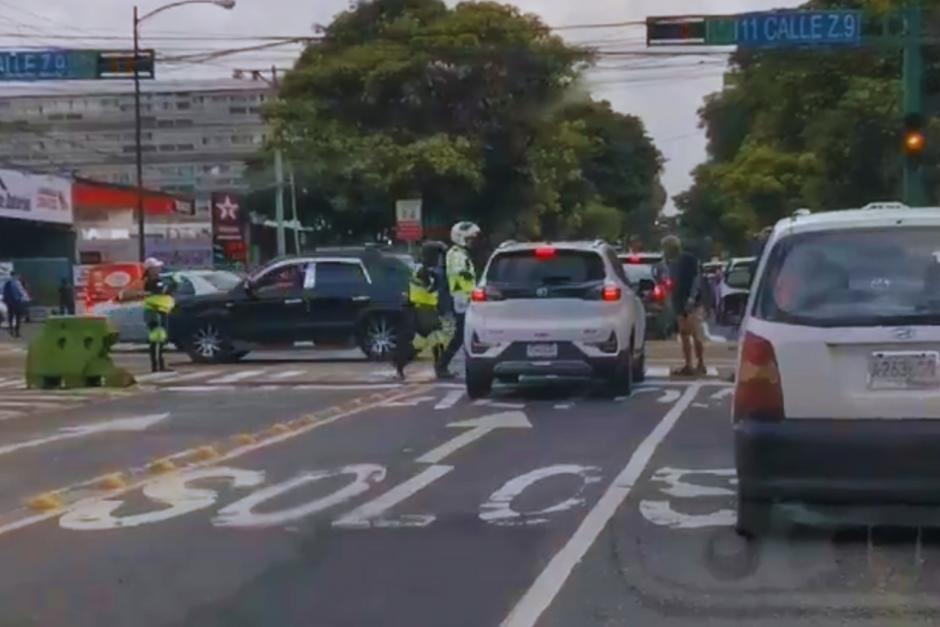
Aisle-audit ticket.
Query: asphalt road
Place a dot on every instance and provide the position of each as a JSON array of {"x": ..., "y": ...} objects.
[{"x": 253, "y": 500}]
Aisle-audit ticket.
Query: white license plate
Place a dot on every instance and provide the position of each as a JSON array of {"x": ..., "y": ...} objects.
[
  {"x": 902, "y": 370},
  {"x": 541, "y": 351}
]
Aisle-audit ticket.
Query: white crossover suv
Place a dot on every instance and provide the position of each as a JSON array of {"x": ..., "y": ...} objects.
[
  {"x": 562, "y": 309},
  {"x": 837, "y": 398}
]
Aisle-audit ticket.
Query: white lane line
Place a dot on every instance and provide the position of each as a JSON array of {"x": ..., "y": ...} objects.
[
  {"x": 198, "y": 388},
  {"x": 340, "y": 386},
  {"x": 27, "y": 404},
  {"x": 35, "y": 396},
  {"x": 288, "y": 374},
  {"x": 9, "y": 415},
  {"x": 720, "y": 394},
  {"x": 411, "y": 402},
  {"x": 237, "y": 376},
  {"x": 666, "y": 371},
  {"x": 11, "y": 383},
  {"x": 450, "y": 399},
  {"x": 155, "y": 376},
  {"x": 198, "y": 374},
  {"x": 564, "y": 405},
  {"x": 550, "y": 581}
]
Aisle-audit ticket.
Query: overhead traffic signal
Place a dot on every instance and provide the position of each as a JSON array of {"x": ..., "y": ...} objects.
[{"x": 914, "y": 139}]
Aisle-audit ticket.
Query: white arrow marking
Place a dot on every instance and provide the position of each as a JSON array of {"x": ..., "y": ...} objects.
[
  {"x": 372, "y": 514},
  {"x": 479, "y": 427},
  {"x": 720, "y": 394},
  {"x": 140, "y": 423},
  {"x": 450, "y": 399}
]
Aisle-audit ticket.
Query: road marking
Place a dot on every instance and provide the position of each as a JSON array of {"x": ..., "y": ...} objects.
[
  {"x": 198, "y": 388},
  {"x": 139, "y": 423},
  {"x": 410, "y": 402},
  {"x": 498, "y": 509},
  {"x": 669, "y": 396},
  {"x": 479, "y": 427},
  {"x": 333, "y": 414},
  {"x": 720, "y": 394},
  {"x": 46, "y": 396},
  {"x": 550, "y": 581},
  {"x": 664, "y": 372},
  {"x": 237, "y": 376},
  {"x": 485, "y": 402},
  {"x": 564, "y": 405},
  {"x": 11, "y": 383},
  {"x": 289, "y": 374},
  {"x": 450, "y": 399},
  {"x": 370, "y": 515},
  {"x": 661, "y": 513},
  {"x": 198, "y": 374},
  {"x": 30, "y": 404},
  {"x": 700, "y": 405},
  {"x": 155, "y": 376}
]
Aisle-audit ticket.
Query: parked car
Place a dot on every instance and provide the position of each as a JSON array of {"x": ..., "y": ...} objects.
[
  {"x": 837, "y": 400},
  {"x": 327, "y": 298},
  {"x": 561, "y": 309},
  {"x": 650, "y": 278},
  {"x": 733, "y": 290},
  {"x": 128, "y": 318}
]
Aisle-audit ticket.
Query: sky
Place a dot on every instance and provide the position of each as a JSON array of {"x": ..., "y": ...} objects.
[{"x": 665, "y": 94}]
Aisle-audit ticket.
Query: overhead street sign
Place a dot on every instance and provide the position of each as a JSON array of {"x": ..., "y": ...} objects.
[
  {"x": 771, "y": 29},
  {"x": 43, "y": 65}
]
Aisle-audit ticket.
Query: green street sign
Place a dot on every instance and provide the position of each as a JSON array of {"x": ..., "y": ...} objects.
[{"x": 721, "y": 31}]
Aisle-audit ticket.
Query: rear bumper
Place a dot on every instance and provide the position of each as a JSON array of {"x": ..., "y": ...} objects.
[
  {"x": 570, "y": 362},
  {"x": 839, "y": 461}
]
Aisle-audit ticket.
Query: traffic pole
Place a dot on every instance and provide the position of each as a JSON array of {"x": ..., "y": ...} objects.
[
  {"x": 912, "y": 185},
  {"x": 138, "y": 148}
]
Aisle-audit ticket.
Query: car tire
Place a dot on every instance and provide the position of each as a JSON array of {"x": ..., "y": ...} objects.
[
  {"x": 620, "y": 382},
  {"x": 753, "y": 518},
  {"x": 209, "y": 344},
  {"x": 639, "y": 368},
  {"x": 378, "y": 337},
  {"x": 479, "y": 383}
]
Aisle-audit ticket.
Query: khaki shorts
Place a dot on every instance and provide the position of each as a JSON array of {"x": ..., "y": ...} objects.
[{"x": 691, "y": 324}]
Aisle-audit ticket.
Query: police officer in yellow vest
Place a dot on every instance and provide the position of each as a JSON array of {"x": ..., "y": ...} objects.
[
  {"x": 420, "y": 315},
  {"x": 461, "y": 278},
  {"x": 157, "y": 292}
]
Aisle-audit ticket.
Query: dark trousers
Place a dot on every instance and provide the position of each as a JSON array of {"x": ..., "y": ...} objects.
[
  {"x": 456, "y": 343},
  {"x": 15, "y": 314},
  {"x": 404, "y": 348}
]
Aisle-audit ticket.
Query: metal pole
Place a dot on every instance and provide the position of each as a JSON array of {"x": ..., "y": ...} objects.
[
  {"x": 912, "y": 190},
  {"x": 279, "y": 201},
  {"x": 293, "y": 204},
  {"x": 141, "y": 237}
]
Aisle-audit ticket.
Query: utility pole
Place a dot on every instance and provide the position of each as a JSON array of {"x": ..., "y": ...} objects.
[
  {"x": 293, "y": 205},
  {"x": 138, "y": 148},
  {"x": 279, "y": 184},
  {"x": 912, "y": 185}
]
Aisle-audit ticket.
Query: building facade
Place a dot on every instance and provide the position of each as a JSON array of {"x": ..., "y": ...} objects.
[{"x": 197, "y": 135}]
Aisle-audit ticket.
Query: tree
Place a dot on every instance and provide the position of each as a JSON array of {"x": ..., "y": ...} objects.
[
  {"x": 802, "y": 128},
  {"x": 469, "y": 108}
]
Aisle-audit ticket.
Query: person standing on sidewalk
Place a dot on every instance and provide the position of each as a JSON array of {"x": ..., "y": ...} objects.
[
  {"x": 685, "y": 272},
  {"x": 461, "y": 279},
  {"x": 16, "y": 299}
]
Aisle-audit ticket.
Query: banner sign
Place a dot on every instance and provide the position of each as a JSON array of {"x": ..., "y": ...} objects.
[
  {"x": 228, "y": 231},
  {"x": 36, "y": 197},
  {"x": 408, "y": 225}
]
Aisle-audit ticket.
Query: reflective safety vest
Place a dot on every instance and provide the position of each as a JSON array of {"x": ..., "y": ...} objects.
[
  {"x": 461, "y": 277},
  {"x": 420, "y": 293},
  {"x": 162, "y": 303}
]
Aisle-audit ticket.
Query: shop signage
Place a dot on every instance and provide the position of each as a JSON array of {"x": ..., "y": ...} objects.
[{"x": 36, "y": 197}]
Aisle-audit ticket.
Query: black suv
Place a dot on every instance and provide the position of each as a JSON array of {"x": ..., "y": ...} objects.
[{"x": 331, "y": 297}]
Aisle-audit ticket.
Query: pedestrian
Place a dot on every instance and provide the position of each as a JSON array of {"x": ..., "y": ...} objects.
[
  {"x": 16, "y": 298},
  {"x": 461, "y": 279},
  {"x": 685, "y": 272},
  {"x": 66, "y": 298},
  {"x": 157, "y": 292},
  {"x": 420, "y": 316}
]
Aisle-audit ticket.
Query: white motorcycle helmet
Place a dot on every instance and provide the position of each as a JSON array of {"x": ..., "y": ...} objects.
[{"x": 463, "y": 232}]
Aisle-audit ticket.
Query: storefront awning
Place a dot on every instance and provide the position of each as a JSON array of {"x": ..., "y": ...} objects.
[{"x": 98, "y": 196}]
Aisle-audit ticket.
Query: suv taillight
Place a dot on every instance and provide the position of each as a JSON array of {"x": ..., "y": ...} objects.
[
  {"x": 758, "y": 393},
  {"x": 611, "y": 293},
  {"x": 484, "y": 294}
]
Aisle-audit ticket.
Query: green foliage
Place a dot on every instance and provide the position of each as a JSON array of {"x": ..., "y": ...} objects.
[
  {"x": 474, "y": 108},
  {"x": 803, "y": 128}
]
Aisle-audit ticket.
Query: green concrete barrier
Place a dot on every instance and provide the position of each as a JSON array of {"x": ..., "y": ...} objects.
[{"x": 74, "y": 352}]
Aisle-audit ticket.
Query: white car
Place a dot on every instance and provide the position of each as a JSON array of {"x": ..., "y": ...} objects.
[
  {"x": 733, "y": 289},
  {"x": 837, "y": 397},
  {"x": 561, "y": 309},
  {"x": 128, "y": 318}
]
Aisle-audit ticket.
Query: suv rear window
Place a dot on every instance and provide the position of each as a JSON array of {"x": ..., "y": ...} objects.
[
  {"x": 868, "y": 277},
  {"x": 565, "y": 267}
]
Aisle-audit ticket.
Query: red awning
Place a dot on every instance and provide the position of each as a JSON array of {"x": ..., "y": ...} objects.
[{"x": 94, "y": 195}]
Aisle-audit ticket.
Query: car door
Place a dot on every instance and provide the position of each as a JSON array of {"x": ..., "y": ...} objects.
[
  {"x": 273, "y": 310},
  {"x": 340, "y": 293}
]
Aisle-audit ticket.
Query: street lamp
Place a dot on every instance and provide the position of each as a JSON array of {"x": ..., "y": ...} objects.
[{"x": 225, "y": 4}]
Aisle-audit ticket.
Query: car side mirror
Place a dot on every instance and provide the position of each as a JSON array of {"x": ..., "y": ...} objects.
[{"x": 248, "y": 288}]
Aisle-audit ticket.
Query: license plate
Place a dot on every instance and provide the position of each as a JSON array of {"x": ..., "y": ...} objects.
[
  {"x": 904, "y": 370},
  {"x": 541, "y": 351}
]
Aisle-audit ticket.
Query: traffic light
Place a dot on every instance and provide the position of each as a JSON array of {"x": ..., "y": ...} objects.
[{"x": 914, "y": 139}]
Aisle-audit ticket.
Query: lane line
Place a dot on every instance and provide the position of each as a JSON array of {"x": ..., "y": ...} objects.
[
  {"x": 199, "y": 388},
  {"x": 290, "y": 374},
  {"x": 27, "y": 404},
  {"x": 198, "y": 374},
  {"x": 155, "y": 376},
  {"x": 11, "y": 383},
  {"x": 551, "y": 580},
  {"x": 450, "y": 399},
  {"x": 237, "y": 376}
]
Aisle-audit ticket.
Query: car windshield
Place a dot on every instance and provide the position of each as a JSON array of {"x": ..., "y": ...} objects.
[
  {"x": 222, "y": 281},
  {"x": 526, "y": 268},
  {"x": 740, "y": 276},
  {"x": 854, "y": 278}
]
